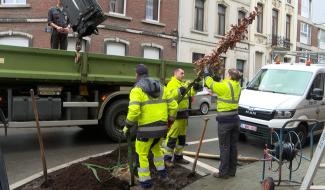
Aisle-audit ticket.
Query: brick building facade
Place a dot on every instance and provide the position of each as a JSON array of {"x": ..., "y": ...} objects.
[{"x": 143, "y": 28}]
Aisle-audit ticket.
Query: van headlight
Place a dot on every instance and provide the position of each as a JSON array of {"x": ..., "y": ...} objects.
[{"x": 284, "y": 114}]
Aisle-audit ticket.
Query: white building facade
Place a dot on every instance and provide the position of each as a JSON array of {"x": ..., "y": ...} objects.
[
  {"x": 202, "y": 23},
  {"x": 274, "y": 30}
]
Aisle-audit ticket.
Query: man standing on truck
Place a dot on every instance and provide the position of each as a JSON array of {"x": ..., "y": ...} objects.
[
  {"x": 151, "y": 108},
  {"x": 228, "y": 92},
  {"x": 176, "y": 137},
  {"x": 58, "y": 20}
]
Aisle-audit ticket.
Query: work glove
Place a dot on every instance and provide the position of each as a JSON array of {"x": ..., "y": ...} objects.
[
  {"x": 197, "y": 86},
  {"x": 206, "y": 72},
  {"x": 170, "y": 122},
  {"x": 182, "y": 90},
  {"x": 126, "y": 130}
]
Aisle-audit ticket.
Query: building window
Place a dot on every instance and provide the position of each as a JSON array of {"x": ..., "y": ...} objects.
[
  {"x": 72, "y": 44},
  {"x": 117, "y": 6},
  {"x": 259, "y": 19},
  {"x": 288, "y": 25},
  {"x": 14, "y": 41},
  {"x": 221, "y": 19},
  {"x": 151, "y": 52},
  {"x": 258, "y": 61},
  {"x": 241, "y": 15},
  {"x": 305, "y": 33},
  {"x": 321, "y": 39},
  {"x": 153, "y": 10},
  {"x": 116, "y": 48},
  {"x": 305, "y": 8},
  {"x": 13, "y": 2},
  {"x": 240, "y": 66},
  {"x": 199, "y": 15},
  {"x": 196, "y": 56},
  {"x": 274, "y": 27}
]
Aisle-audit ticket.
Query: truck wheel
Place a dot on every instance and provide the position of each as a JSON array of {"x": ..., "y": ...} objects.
[
  {"x": 269, "y": 183},
  {"x": 204, "y": 108},
  {"x": 114, "y": 119}
]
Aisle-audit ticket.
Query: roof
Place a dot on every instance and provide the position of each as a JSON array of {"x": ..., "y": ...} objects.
[{"x": 296, "y": 66}]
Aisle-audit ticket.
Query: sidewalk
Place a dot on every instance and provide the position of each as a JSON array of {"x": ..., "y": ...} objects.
[{"x": 248, "y": 178}]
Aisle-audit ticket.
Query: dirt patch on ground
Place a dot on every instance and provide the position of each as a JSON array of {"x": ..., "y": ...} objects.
[{"x": 79, "y": 177}]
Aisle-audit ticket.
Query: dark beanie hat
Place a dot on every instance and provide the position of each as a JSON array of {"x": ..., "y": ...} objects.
[{"x": 141, "y": 69}]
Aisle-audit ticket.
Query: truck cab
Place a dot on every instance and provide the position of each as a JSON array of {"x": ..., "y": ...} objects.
[{"x": 281, "y": 92}]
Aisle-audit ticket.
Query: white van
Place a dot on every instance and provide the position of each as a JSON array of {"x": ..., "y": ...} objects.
[{"x": 280, "y": 92}]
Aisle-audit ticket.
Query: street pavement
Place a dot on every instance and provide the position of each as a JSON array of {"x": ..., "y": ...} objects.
[
  {"x": 62, "y": 145},
  {"x": 249, "y": 175}
]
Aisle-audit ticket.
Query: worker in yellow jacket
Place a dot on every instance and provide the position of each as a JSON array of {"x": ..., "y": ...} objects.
[
  {"x": 228, "y": 92},
  {"x": 150, "y": 109},
  {"x": 176, "y": 137}
]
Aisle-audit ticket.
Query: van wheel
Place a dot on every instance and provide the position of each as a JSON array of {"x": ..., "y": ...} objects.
[
  {"x": 269, "y": 183},
  {"x": 114, "y": 119},
  {"x": 204, "y": 108},
  {"x": 301, "y": 130}
]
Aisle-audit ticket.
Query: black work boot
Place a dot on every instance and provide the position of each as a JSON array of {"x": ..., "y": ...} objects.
[{"x": 181, "y": 160}]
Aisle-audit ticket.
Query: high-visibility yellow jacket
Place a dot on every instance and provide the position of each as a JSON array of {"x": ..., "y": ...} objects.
[
  {"x": 173, "y": 86},
  {"x": 228, "y": 92},
  {"x": 148, "y": 112}
]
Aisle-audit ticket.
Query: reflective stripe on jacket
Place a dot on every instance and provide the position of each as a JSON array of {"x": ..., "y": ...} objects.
[
  {"x": 228, "y": 92},
  {"x": 150, "y": 114},
  {"x": 183, "y": 107}
]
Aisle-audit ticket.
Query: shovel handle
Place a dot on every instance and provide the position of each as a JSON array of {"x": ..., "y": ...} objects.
[
  {"x": 200, "y": 144},
  {"x": 130, "y": 158},
  {"x": 39, "y": 134}
]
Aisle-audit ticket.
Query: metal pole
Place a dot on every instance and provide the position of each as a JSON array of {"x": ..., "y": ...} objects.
[
  {"x": 4, "y": 185},
  {"x": 39, "y": 134}
]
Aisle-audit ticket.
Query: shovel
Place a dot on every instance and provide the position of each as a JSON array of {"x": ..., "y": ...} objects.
[
  {"x": 40, "y": 138},
  {"x": 199, "y": 148}
]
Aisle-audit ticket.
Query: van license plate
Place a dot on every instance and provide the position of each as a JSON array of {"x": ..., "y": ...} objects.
[{"x": 248, "y": 127}]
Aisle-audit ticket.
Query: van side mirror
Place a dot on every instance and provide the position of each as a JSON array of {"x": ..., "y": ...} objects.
[{"x": 317, "y": 94}]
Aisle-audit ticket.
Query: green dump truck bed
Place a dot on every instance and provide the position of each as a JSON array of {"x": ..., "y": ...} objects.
[{"x": 30, "y": 64}]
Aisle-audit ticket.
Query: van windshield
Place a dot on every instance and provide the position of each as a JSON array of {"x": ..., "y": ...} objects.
[{"x": 281, "y": 81}]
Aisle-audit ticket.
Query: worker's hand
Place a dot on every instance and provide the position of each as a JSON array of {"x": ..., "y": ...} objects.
[
  {"x": 182, "y": 90},
  {"x": 197, "y": 86},
  {"x": 125, "y": 130},
  {"x": 170, "y": 122},
  {"x": 66, "y": 30},
  {"x": 206, "y": 72},
  {"x": 59, "y": 29}
]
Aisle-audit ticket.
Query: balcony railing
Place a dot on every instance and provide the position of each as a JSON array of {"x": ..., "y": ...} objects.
[{"x": 279, "y": 42}]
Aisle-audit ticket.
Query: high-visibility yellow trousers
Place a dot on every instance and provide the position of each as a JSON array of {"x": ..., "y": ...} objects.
[
  {"x": 175, "y": 139},
  {"x": 143, "y": 147}
]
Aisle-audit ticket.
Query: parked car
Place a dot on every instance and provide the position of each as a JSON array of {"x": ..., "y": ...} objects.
[{"x": 203, "y": 101}]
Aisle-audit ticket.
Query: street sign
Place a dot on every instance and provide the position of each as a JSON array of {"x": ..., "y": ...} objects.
[{"x": 4, "y": 185}]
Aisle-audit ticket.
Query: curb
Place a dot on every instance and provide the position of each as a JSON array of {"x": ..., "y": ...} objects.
[{"x": 39, "y": 174}]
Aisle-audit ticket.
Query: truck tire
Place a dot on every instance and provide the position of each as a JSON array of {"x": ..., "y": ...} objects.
[
  {"x": 114, "y": 119},
  {"x": 204, "y": 108}
]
